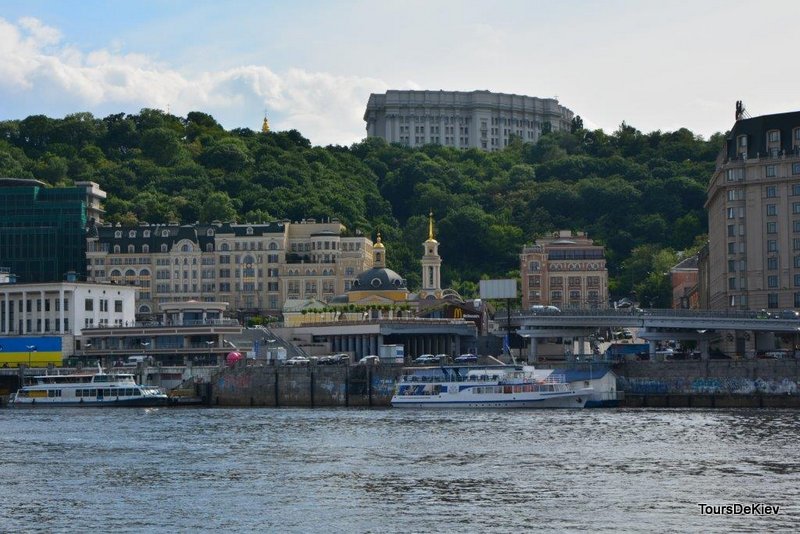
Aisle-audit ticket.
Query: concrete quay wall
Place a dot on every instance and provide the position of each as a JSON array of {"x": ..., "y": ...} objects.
[
  {"x": 710, "y": 377},
  {"x": 316, "y": 386}
]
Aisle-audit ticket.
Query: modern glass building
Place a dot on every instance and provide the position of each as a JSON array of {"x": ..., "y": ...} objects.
[{"x": 43, "y": 229}]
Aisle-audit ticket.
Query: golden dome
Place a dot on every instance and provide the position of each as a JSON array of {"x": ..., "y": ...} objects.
[{"x": 378, "y": 243}]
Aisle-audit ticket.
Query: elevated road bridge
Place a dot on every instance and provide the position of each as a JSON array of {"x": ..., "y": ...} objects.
[{"x": 653, "y": 325}]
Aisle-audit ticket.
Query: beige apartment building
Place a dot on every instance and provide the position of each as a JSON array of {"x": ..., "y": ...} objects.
[
  {"x": 253, "y": 267},
  {"x": 753, "y": 258},
  {"x": 462, "y": 119},
  {"x": 566, "y": 270}
]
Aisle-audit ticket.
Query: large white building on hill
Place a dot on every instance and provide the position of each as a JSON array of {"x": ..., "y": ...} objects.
[{"x": 474, "y": 119}]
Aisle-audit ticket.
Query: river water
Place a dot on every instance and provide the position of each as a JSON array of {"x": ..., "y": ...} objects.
[{"x": 349, "y": 470}]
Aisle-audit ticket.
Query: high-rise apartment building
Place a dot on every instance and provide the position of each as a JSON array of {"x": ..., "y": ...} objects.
[
  {"x": 253, "y": 267},
  {"x": 475, "y": 119},
  {"x": 753, "y": 204},
  {"x": 565, "y": 270},
  {"x": 43, "y": 229}
]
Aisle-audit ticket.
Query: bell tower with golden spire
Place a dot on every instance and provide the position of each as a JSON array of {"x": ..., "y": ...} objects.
[
  {"x": 378, "y": 254},
  {"x": 431, "y": 265}
]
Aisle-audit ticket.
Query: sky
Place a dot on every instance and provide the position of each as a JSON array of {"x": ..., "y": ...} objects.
[{"x": 311, "y": 65}]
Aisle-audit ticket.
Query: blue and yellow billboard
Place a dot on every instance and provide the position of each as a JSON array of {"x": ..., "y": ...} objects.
[{"x": 28, "y": 350}]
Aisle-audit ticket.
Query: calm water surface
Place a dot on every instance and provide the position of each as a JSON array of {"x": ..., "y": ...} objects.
[{"x": 295, "y": 470}]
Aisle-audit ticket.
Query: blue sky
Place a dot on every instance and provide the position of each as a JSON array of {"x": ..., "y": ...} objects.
[{"x": 313, "y": 64}]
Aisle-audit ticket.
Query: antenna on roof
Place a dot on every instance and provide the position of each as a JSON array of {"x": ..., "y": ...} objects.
[{"x": 741, "y": 112}]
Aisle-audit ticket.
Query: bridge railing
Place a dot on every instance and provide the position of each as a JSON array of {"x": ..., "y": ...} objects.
[{"x": 644, "y": 312}]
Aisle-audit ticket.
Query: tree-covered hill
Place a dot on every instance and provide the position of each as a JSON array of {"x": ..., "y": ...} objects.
[{"x": 641, "y": 195}]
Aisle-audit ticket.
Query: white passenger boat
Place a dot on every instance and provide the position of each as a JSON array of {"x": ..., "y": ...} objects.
[
  {"x": 98, "y": 389},
  {"x": 509, "y": 386}
]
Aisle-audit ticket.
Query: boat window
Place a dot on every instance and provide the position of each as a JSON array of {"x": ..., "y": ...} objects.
[
  {"x": 137, "y": 393},
  {"x": 79, "y": 393},
  {"x": 106, "y": 392}
]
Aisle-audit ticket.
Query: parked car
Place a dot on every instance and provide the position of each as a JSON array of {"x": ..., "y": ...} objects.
[
  {"x": 369, "y": 360},
  {"x": 538, "y": 309},
  {"x": 467, "y": 358},
  {"x": 426, "y": 359},
  {"x": 789, "y": 314},
  {"x": 298, "y": 360},
  {"x": 334, "y": 359}
]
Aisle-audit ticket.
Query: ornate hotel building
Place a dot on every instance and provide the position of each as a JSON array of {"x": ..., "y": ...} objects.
[
  {"x": 253, "y": 267},
  {"x": 475, "y": 119},
  {"x": 753, "y": 204},
  {"x": 566, "y": 270}
]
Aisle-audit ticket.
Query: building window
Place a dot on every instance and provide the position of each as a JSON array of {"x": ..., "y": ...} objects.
[
  {"x": 774, "y": 136},
  {"x": 772, "y": 281},
  {"x": 797, "y": 280},
  {"x": 795, "y": 168},
  {"x": 771, "y": 173},
  {"x": 772, "y": 228},
  {"x": 731, "y": 248},
  {"x": 772, "y": 209},
  {"x": 772, "y": 245},
  {"x": 735, "y": 175},
  {"x": 772, "y": 263},
  {"x": 732, "y": 283},
  {"x": 88, "y": 305},
  {"x": 772, "y": 191},
  {"x": 797, "y": 295},
  {"x": 772, "y": 300},
  {"x": 795, "y": 244},
  {"x": 731, "y": 230},
  {"x": 731, "y": 213}
]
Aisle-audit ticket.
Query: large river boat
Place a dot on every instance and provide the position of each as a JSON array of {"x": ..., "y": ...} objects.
[
  {"x": 510, "y": 386},
  {"x": 88, "y": 389}
]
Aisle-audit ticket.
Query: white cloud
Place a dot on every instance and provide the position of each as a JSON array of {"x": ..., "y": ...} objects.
[{"x": 36, "y": 66}]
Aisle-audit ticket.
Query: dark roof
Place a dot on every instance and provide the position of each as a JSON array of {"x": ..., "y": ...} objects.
[
  {"x": 689, "y": 263},
  {"x": 21, "y": 182},
  {"x": 756, "y": 130},
  {"x": 172, "y": 233},
  {"x": 378, "y": 279}
]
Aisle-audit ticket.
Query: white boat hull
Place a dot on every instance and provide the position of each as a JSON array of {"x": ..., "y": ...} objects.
[{"x": 570, "y": 399}]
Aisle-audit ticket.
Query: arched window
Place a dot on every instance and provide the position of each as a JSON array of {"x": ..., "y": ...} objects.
[
  {"x": 144, "y": 272},
  {"x": 115, "y": 273},
  {"x": 224, "y": 247},
  {"x": 146, "y": 233},
  {"x": 165, "y": 233},
  {"x": 131, "y": 249},
  {"x": 132, "y": 234},
  {"x": 144, "y": 308},
  {"x": 249, "y": 230},
  {"x": 118, "y": 234},
  {"x": 210, "y": 232},
  {"x": 116, "y": 249},
  {"x": 186, "y": 247},
  {"x": 164, "y": 248},
  {"x": 209, "y": 247},
  {"x": 130, "y": 273},
  {"x": 145, "y": 249}
]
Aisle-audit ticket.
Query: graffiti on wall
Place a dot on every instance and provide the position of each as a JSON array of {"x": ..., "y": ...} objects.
[{"x": 731, "y": 386}]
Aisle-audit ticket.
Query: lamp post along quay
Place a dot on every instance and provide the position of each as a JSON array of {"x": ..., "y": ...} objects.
[{"x": 31, "y": 348}]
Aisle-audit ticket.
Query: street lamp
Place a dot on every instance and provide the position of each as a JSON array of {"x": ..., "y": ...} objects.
[{"x": 31, "y": 348}]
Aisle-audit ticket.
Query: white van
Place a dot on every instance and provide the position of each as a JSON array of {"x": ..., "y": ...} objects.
[{"x": 135, "y": 360}]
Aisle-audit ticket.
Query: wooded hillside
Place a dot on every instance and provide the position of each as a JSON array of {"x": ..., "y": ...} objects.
[{"x": 641, "y": 195}]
